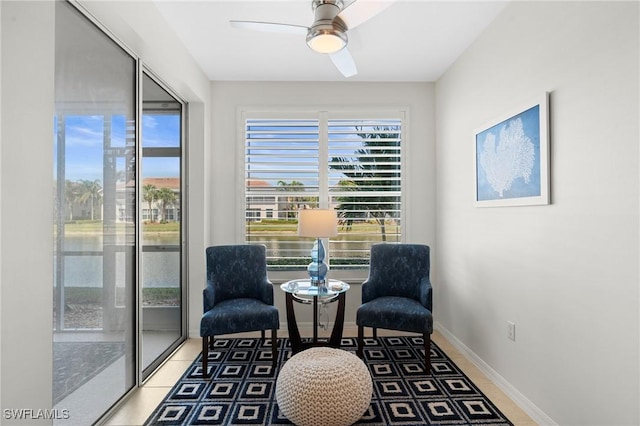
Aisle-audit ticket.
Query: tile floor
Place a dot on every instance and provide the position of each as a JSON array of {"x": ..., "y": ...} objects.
[{"x": 140, "y": 405}]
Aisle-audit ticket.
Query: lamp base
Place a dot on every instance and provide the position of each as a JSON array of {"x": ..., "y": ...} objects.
[
  {"x": 321, "y": 285},
  {"x": 317, "y": 269}
]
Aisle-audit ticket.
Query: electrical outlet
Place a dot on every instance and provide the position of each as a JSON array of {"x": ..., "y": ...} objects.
[{"x": 511, "y": 330}]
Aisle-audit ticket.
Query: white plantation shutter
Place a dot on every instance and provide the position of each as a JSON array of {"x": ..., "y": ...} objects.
[
  {"x": 365, "y": 181},
  {"x": 281, "y": 176},
  {"x": 352, "y": 165}
]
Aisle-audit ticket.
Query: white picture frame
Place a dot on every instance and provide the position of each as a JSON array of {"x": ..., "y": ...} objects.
[{"x": 512, "y": 157}]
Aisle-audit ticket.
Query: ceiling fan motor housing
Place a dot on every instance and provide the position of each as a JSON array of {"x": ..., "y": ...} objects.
[{"x": 327, "y": 23}]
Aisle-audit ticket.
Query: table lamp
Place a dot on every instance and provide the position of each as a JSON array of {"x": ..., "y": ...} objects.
[{"x": 318, "y": 223}]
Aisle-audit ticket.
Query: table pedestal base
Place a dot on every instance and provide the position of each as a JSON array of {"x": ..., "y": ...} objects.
[{"x": 297, "y": 344}]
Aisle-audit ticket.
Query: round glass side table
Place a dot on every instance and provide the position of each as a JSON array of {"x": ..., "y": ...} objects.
[{"x": 301, "y": 291}]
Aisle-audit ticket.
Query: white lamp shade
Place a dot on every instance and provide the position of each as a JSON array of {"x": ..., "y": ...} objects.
[{"x": 317, "y": 223}]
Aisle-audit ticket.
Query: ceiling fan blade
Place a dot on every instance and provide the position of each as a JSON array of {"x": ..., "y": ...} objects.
[
  {"x": 344, "y": 62},
  {"x": 363, "y": 10},
  {"x": 270, "y": 27}
]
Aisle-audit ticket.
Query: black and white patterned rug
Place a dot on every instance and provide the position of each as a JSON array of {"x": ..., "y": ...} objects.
[{"x": 241, "y": 390}]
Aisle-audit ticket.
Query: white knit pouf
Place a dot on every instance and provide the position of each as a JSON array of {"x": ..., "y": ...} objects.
[{"x": 325, "y": 387}]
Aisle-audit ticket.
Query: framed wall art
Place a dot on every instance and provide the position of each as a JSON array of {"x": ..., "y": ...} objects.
[{"x": 512, "y": 157}]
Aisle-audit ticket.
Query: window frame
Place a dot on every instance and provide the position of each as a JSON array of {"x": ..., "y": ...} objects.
[{"x": 323, "y": 115}]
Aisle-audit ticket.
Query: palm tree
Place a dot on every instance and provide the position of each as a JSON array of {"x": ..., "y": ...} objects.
[
  {"x": 349, "y": 208},
  {"x": 166, "y": 197},
  {"x": 150, "y": 195},
  {"x": 293, "y": 202},
  {"x": 89, "y": 191},
  {"x": 71, "y": 194},
  {"x": 374, "y": 169}
]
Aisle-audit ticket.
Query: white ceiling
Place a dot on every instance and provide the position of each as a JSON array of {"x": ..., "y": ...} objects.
[{"x": 412, "y": 40}]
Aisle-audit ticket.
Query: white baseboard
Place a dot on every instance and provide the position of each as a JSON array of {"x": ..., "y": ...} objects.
[{"x": 539, "y": 416}]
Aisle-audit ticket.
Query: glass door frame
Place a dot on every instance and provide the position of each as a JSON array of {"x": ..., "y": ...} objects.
[{"x": 144, "y": 373}]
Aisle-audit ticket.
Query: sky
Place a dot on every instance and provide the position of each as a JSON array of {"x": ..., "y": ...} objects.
[
  {"x": 84, "y": 144},
  {"x": 84, "y": 137},
  {"x": 291, "y": 150}
]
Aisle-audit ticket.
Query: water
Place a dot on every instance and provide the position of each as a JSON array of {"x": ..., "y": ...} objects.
[{"x": 162, "y": 269}]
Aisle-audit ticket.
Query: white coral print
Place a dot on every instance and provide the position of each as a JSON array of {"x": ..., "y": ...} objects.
[{"x": 513, "y": 156}]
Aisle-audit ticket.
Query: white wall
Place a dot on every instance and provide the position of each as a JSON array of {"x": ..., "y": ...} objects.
[
  {"x": 0, "y": 206},
  {"x": 567, "y": 274},
  {"x": 27, "y": 205},
  {"x": 225, "y": 186},
  {"x": 26, "y": 175}
]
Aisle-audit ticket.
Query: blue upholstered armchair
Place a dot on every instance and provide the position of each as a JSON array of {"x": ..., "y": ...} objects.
[
  {"x": 397, "y": 295},
  {"x": 238, "y": 297}
]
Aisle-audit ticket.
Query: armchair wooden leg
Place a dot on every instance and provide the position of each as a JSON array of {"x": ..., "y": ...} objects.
[
  {"x": 274, "y": 348},
  {"x": 375, "y": 333},
  {"x": 426, "y": 337},
  {"x": 262, "y": 336},
  {"x": 360, "y": 341},
  {"x": 205, "y": 356},
  {"x": 210, "y": 342}
]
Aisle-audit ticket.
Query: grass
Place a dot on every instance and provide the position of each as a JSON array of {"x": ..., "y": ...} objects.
[
  {"x": 97, "y": 227},
  {"x": 161, "y": 227},
  {"x": 265, "y": 225}
]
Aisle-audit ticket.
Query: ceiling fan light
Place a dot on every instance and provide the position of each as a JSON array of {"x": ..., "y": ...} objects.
[{"x": 326, "y": 41}]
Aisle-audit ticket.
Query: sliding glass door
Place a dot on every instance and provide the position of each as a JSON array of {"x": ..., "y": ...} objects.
[
  {"x": 118, "y": 290},
  {"x": 94, "y": 359},
  {"x": 161, "y": 174}
]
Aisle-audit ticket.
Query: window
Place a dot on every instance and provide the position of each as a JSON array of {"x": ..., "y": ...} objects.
[{"x": 351, "y": 164}]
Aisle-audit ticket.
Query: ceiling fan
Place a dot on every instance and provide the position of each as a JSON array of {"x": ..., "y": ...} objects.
[{"x": 328, "y": 32}]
